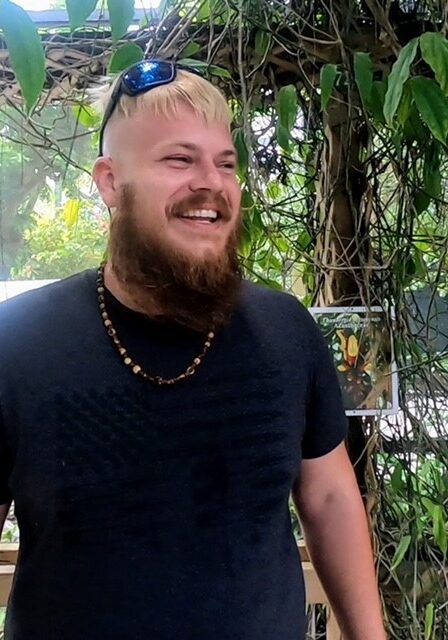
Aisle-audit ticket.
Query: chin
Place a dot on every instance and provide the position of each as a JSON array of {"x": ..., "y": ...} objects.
[{"x": 202, "y": 253}]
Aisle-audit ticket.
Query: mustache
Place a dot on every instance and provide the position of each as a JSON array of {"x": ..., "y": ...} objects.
[{"x": 201, "y": 201}]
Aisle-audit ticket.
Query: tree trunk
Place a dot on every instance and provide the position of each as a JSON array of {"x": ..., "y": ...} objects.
[{"x": 342, "y": 239}]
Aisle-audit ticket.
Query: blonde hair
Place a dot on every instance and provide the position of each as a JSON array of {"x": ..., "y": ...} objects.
[{"x": 187, "y": 88}]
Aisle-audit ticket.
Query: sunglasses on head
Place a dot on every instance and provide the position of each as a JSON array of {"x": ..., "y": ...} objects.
[{"x": 141, "y": 77}]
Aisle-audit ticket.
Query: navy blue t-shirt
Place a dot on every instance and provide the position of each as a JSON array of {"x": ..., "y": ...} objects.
[{"x": 157, "y": 513}]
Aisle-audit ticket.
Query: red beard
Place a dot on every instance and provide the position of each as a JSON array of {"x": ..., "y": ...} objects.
[{"x": 199, "y": 294}]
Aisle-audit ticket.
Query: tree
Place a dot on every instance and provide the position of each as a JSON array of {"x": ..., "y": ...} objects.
[
  {"x": 341, "y": 123},
  {"x": 31, "y": 163}
]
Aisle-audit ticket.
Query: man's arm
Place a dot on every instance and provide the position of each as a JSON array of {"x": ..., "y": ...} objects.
[{"x": 336, "y": 532}]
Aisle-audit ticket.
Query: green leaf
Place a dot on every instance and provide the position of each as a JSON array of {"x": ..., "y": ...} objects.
[
  {"x": 256, "y": 222},
  {"x": 396, "y": 478},
  {"x": 25, "y": 50},
  {"x": 204, "y": 11},
  {"x": 421, "y": 201},
  {"x": 282, "y": 244},
  {"x": 243, "y": 156},
  {"x": 121, "y": 13},
  {"x": 434, "y": 48},
  {"x": 219, "y": 71},
  {"x": 262, "y": 43},
  {"x": 421, "y": 269},
  {"x": 191, "y": 49},
  {"x": 429, "y": 620},
  {"x": 274, "y": 190},
  {"x": 247, "y": 200},
  {"x": 283, "y": 137},
  {"x": 400, "y": 551},
  {"x": 309, "y": 277},
  {"x": 363, "y": 68},
  {"x": 439, "y": 527},
  {"x": 377, "y": 96},
  {"x": 204, "y": 66},
  {"x": 196, "y": 64},
  {"x": 304, "y": 240},
  {"x": 124, "y": 57},
  {"x": 432, "y": 106},
  {"x": 287, "y": 106},
  {"x": 144, "y": 21},
  {"x": 404, "y": 108},
  {"x": 71, "y": 212},
  {"x": 429, "y": 505},
  {"x": 328, "y": 75},
  {"x": 397, "y": 78},
  {"x": 78, "y": 11},
  {"x": 413, "y": 127},
  {"x": 432, "y": 176},
  {"x": 87, "y": 116}
]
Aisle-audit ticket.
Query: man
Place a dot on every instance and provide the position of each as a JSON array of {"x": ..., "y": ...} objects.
[{"x": 156, "y": 414}]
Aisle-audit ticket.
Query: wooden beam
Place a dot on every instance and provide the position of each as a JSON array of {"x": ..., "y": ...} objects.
[
  {"x": 6, "y": 576},
  {"x": 8, "y": 552},
  {"x": 59, "y": 18}
]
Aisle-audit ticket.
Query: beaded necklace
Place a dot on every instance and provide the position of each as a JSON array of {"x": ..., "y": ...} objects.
[{"x": 130, "y": 362}]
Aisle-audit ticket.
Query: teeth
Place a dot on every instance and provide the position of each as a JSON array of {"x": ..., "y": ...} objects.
[{"x": 200, "y": 213}]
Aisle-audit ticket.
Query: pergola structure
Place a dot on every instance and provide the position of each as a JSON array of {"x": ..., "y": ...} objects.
[{"x": 73, "y": 60}]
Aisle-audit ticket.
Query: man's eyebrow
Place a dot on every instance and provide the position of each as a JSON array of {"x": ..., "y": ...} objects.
[
  {"x": 228, "y": 152},
  {"x": 189, "y": 146}
]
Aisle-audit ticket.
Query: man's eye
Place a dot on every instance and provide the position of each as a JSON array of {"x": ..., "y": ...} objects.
[{"x": 179, "y": 159}]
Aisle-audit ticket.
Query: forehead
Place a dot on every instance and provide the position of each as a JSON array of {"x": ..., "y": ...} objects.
[{"x": 148, "y": 131}]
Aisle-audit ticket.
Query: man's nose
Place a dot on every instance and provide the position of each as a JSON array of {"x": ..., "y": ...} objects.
[{"x": 207, "y": 178}]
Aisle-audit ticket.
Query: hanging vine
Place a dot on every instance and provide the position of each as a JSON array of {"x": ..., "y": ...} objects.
[{"x": 341, "y": 124}]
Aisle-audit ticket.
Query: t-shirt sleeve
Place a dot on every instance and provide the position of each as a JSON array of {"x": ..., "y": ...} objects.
[
  {"x": 5, "y": 466},
  {"x": 326, "y": 423}
]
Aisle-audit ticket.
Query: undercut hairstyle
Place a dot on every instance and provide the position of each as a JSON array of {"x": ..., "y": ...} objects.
[{"x": 189, "y": 89}]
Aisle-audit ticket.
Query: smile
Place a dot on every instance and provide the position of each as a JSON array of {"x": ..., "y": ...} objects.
[{"x": 204, "y": 216}]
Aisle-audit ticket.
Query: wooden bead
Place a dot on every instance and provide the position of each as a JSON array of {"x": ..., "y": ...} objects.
[{"x": 136, "y": 368}]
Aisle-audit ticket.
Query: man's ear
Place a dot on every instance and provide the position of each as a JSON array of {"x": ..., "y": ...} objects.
[{"x": 105, "y": 180}]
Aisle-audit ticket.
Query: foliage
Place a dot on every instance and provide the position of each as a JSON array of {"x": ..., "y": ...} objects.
[
  {"x": 341, "y": 125},
  {"x": 25, "y": 50},
  {"x": 58, "y": 247},
  {"x": 40, "y": 176}
]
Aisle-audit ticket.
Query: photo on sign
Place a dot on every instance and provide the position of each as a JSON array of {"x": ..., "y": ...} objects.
[{"x": 360, "y": 341}]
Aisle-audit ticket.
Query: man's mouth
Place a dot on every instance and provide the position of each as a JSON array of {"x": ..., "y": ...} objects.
[{"x": 205, "y": 216}]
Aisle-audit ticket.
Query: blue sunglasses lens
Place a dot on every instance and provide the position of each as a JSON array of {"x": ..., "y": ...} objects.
[{"x": 146, "y": 74}]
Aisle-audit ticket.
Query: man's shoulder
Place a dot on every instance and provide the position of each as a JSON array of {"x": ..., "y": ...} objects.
[
  {"x": 277, "y": 315},
  {"x": 61, "y": 297},
  {"x": 262, "y": 297}
]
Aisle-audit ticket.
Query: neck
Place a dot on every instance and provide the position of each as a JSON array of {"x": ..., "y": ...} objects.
[{"x": 122, "y": 295}]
